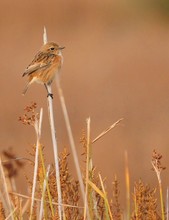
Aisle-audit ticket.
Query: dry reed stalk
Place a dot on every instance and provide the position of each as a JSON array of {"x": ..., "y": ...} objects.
[
  {"x": 158, "y": 168},
  {"x": 54, "y": 141},
  {"x": 88, "y": 169},
  {"x": 37, "y": 126},
  {"x": 71, "y": 139}
]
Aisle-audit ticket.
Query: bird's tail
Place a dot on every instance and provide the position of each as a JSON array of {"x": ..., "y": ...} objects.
[{"x": 25, "y": 89}]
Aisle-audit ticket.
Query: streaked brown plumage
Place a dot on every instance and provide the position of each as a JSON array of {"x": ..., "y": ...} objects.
[{"x": 45, "y": 65}]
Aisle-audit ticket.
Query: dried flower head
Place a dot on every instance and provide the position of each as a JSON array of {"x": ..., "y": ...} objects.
[
  {"x": 156, "y": 163},
  {"x": 29, "y": 117}
]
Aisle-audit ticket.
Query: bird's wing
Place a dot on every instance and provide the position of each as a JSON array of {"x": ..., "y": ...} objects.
[
  {"x": 33, "y": 68},
  {"x": 41, "y": 60}
]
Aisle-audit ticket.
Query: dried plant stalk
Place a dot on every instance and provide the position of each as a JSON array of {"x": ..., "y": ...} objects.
[
  {"x": 71, "y": 139},
  {"x": 158, "y": 168},
  {"x": 55, "y": 146},
  {"x": 37, "y": 125}
]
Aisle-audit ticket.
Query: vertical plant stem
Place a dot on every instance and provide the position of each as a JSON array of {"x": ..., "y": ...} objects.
[
  {"x": 161, "y": 201},
  {"x": 88, "y": 157},
  {"x": 55, "y": 150},
  {"x": 71, "y": 139},
  {"x": 38, "y": 125},
  {"x": 54, "y": 141}
]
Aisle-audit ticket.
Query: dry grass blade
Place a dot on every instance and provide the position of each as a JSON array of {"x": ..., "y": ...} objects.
[
  {"x": 96, "y": 189},
  {"x": 108, "y": 210},
  {"x": 103, "y": 195},
  {"x": 107, "y": 130}
]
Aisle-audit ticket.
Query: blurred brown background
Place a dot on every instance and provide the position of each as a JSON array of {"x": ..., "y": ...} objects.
[{"x": 116, "y": 64}]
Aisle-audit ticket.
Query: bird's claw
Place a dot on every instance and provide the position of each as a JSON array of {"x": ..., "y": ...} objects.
[{"x": 50, "y": 94}]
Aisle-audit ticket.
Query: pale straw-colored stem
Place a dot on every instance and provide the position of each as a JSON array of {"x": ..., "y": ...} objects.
[
  {"x": 71, "y": 139},
  {"x": 37, "y": 126},
  {"x": 54, "y": 141},
  {"x": 88, "y": 169},
  {"x": 158, "y": 173}
]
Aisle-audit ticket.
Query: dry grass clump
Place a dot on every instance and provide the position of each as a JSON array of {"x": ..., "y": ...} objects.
[
  {"x": 145, "y": 202},
  {"x": 43, "y": 197},
  {"x": 69, "y": 187}
]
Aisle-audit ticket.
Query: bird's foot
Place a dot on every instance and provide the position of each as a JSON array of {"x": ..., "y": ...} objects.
[{"x": 50, "y": 94}]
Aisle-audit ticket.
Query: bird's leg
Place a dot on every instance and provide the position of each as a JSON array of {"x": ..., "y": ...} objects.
[{"x": 49, "y": 94}]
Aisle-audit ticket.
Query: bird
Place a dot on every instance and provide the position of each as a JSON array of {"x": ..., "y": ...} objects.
[{"x": 45, "y": 65}]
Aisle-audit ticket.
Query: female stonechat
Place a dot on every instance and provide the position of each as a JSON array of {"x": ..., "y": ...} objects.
[{"x": 45, "y": 66}]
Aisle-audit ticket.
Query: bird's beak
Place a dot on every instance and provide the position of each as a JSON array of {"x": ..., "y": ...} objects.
[{"x": 61, "y": 48}]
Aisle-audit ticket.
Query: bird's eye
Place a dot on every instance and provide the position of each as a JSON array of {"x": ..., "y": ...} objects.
[{"x": 52, "y": 48}]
